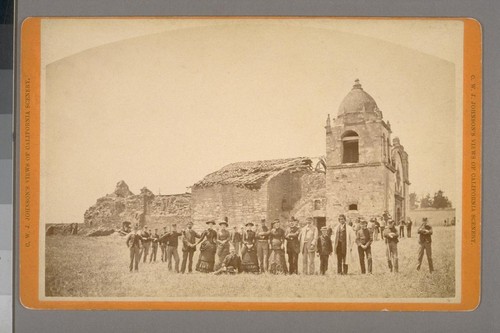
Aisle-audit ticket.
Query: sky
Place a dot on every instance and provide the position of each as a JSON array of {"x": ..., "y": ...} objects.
[{"x": 162, "y": 103}]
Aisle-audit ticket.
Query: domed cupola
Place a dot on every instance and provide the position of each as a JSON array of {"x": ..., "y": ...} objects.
[{"x": 357, "y": 101}]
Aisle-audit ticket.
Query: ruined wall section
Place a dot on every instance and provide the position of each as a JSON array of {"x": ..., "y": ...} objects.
[
  {"x": 145, "y": 208},
  {"x": 313, "y": 200},
  {"x": 284, "y": 191}
]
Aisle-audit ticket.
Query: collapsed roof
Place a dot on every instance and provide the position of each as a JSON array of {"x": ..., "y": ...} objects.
[{"x": 254, "y": 174}]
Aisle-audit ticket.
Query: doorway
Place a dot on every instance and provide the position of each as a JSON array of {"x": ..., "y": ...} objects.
[{"x": 320, "y": 222}]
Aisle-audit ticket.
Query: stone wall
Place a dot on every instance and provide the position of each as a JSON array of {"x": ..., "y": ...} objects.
[
  {"x": 363, "y": 186},
  {"x": 238, "y": 204},
  {"x": 435, "y": 216},
  {"x": 62, "y": 228}
]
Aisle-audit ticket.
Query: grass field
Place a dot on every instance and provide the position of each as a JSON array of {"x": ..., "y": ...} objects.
[{"x": 79, "y": 266}]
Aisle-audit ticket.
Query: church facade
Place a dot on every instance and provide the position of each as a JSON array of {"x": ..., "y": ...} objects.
[{"x": 366, "y": 169}]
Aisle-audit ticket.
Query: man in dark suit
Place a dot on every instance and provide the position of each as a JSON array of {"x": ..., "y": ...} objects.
[
  {"x": 293, "y": 246},
  {"x": 425, "y": 240},
  {"x": 262, "y": 232},
  {"x": 172, "y": 243},
  {"x": 325, "y": 249},
  {"x": 364, "y": 240},
  {"x": 154, "y": 246},
  {"x": 146, "y": 243},
  {"x": 188, "y": 247},
  {"x": 134, "y": 243},
  {"x": 408, "y": 228}
]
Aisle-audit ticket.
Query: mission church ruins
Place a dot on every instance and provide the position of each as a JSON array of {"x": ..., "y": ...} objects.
[{"x": 364, "y": 173}]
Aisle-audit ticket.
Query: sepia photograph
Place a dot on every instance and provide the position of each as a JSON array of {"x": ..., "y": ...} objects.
[{"x": 251, "y": 160}]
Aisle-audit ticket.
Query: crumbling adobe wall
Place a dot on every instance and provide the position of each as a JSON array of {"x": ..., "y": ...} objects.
[{"x": 144, "y": 208}]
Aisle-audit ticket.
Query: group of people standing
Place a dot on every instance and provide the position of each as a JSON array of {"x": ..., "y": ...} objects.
[{"x": 260, "y": 249}]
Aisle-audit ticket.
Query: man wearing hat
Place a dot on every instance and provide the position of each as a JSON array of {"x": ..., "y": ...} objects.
[
  {"x": 425, "y": 240},
  {"x": 325, "y": 249},
  {"x": 231, "y": 263},
  {"x": 172, "y": 243},
  {"x": 134, "y": 243},
  {"x": 308, "y": 238},
  {"x": 293, "y": 246},
  {"x": 344, "y": 239},
  {"x": 188, "y": 247},
  {"x": 391, "y": 239},
  {"x": 223, "y": 238},
  {"x": 154, "y": 245},
  {"x": 364, "y": 240},
  {"x": 262, "y": 234}
]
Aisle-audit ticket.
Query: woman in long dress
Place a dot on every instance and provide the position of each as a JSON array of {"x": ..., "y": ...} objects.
[
  {"x": 207, "y": 249},
  {"x": 249, "y": 260},
  {"x": 223, "y": 238},
  {"x": 277, "y": 261}
]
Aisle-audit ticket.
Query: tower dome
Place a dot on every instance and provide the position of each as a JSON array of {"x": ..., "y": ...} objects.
[{"x": 357, "y": 100}]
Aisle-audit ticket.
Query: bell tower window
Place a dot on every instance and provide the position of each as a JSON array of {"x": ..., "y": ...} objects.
[{"x": 350, "y": 147}]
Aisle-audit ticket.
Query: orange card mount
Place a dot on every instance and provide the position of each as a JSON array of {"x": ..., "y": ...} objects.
[{"x": 250, "y": 163}]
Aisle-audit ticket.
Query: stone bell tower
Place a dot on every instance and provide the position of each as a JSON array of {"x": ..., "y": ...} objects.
[{"x": 360, "y": 174}]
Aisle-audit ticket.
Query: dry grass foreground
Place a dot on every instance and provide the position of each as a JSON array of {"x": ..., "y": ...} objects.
[{"x": 99, "y": 267}]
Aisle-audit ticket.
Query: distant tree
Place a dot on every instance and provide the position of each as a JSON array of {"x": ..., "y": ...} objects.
[
  {"x": 440, "y": 200},
  {"x": 426, "y": 202},
  {"x": 413, "y": 201}
]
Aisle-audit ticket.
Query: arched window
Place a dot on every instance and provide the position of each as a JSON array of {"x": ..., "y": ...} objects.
[
  {"x": 353, "y": 207},
  {"x": 350, "y": 147}
]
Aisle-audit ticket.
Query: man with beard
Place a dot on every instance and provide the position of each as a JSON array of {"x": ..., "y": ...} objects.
[
  {"x": 344, "y": 238},
  {"x": 293, "y": 246},
  {"x": 308, "y": 238}
]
